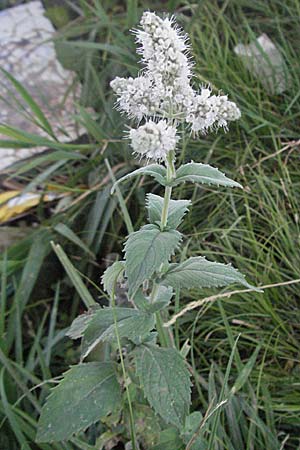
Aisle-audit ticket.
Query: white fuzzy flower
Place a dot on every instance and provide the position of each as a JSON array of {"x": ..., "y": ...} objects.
[
  {"x": 154, "y": 140},
  {"x": 164, "y": 90},
  {"x": 136, "y": 96},
  {"x": 163, "y": 48},
  {"x": 208, "y": 111}
]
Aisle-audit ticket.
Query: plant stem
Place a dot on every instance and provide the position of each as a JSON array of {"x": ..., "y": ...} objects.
[
  {"x": 165, "y": 210},
  {"x": 168, "y": 189},
  {"x": 164, "y": 336},
  {"x": 131, "y": 418}
]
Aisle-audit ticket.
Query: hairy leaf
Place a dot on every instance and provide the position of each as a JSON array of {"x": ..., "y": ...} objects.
[
  {"x": 87, "y": 393},
  {"x": 199, "y": 272},
  {"x": 145, "y": 251},
  {"x": 154, "y": 170},
  {"x": 112, "y": 274},
  {"x": 203, "y": 173},
  {"x": 162, "y": 300},
  {"x": 165, "y": 380},
  {"x": 132, "y": 324},
  {"x": 177, "y": 209},
  {"x": 81, "y": 322}
]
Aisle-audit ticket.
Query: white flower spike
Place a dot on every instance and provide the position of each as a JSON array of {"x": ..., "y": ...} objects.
[{"x": 164, "y": 90}]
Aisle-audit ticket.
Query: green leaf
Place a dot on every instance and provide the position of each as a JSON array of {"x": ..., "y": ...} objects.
[
  {"x": 165, "y": 380},
  {"x": 162, "y": 300},
  {"x": 154, "y": 170},
  {"x": 169, "y": 439},
  {"x": 191, "y": 433},
  {"x": 145, "y": 251},
  {"x": 112, "y": 275},
  {"x": 132, "y": 324},
  {"x": 199, "y": 272},
  {"x": 65, "y": 231},
  {"x": 74, "y": 276},
  {"x": 39, "y": 115},
  {"x": 245, "y": 372},
  {"x": 176, "y": 211},
  {"x": 81, "y": 322},
  {"x": 87, "y": 393},
  {"x": 202, "y": 173}
]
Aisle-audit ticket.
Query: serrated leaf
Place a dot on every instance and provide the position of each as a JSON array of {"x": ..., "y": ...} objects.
[
  {"x": 112, "y": 274},
  {"x": 176, "y": 211},
  {"x": 145, "y": 251},
  {"x": 156, "y": 171},
  {"x": 87, "y": 393},
  {"x": 132, "y": 324},
  {"x": 199, "y": 272},
  {"x": 169, "y": 439},
  {"x": 203, "y": 173},
  {"x": 162, "y": 300},
  {"x": 165, "y": 380},
  {"x": 81, "y": 322}
]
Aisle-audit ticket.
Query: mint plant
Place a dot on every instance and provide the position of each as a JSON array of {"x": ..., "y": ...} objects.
[{"x": 141, "y": 351}]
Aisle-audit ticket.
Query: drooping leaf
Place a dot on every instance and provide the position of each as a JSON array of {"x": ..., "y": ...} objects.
[
  {"x": 87, "y": 393},
  {"x": 177, "y": 210},
  {"x": 65, "y": 231},
  {"x": 165, "y": 380},
  {"x": 39, "y": 116},
  {"x": 112, "y": 274},
  {"x": 203, "y": 173},
  {"x": 74, "y": 276},
  {"x": 199, "y": 272},
  {"x": 132, "y": 324},
  {"x": 145, "y": 251},
  {"x": 154, "y": 170}
]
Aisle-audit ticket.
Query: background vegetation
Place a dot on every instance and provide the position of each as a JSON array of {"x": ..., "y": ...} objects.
[{"x": 256, "y": 229}]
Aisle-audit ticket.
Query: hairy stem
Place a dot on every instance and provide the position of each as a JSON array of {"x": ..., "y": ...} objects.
[
  {"x": 168, "y": 190},
  {"x": 164, "y": 337}
]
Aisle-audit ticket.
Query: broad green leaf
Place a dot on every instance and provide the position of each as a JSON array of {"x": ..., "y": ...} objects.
[
  {"x": 145, "y": 251},
  {"x": 203, "y": 173},
  {"x": 199, "y": 272},
  {"x": 112, "y": 275},
  {"x": 162, "y": 300},
  {"x": 177, "y": 210},
  {"x": 132, "y": 324},
  {"x": 154, "y": 170},
  {"x": 81, "y": 322},
  {"x": 87, "y": 393},
  {"x": 165, "y": 380},
  {"x": 169, "y": 439}
]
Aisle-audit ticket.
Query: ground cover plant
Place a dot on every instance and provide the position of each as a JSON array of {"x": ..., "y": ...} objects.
[{"x": 261, "y": 241}]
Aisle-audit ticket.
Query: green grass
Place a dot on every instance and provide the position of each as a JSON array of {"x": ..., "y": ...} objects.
[{"x": 256, "y": 229}]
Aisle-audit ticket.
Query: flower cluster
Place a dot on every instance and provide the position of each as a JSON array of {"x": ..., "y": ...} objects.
[
  {"x": 164, "y": 89},
  {"x": 154, "y": 140}
]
